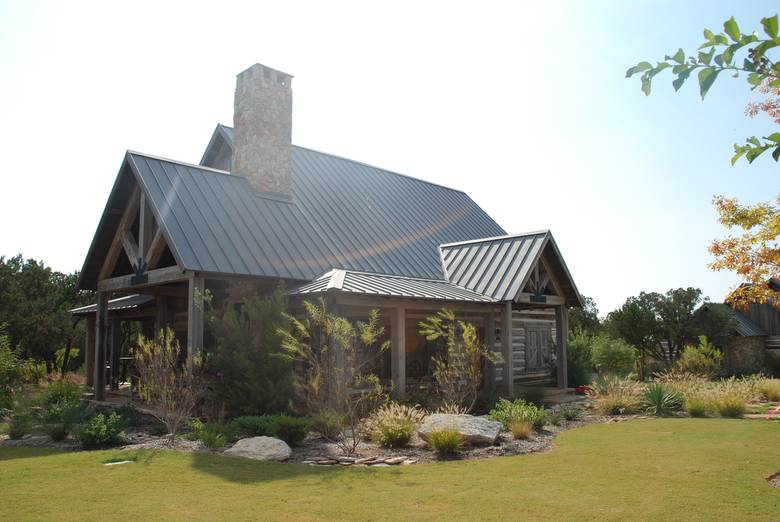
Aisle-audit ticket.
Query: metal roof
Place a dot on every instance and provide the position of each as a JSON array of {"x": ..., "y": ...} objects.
[
  {"x": 390, "y": 286},
  {"x": 499, "y": 267},
  {"x": 745, "y": 327},
  {"x": 121, "y": 303}
]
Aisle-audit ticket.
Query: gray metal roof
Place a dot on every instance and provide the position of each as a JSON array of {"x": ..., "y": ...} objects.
[
  {"x": 121, "y": 303},
  {"x": 499, "y": 267},
  {"x": 745, "y": 327},
  {"x": 389, "y": 286}
]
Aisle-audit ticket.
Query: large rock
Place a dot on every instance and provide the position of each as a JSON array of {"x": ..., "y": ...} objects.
[
  {"x": 475, "y": 430},
  {"x": 260, "y": 448}
]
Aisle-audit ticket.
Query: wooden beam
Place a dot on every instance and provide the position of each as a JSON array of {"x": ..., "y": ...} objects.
[
  {"x": 89, "y": 351},
  {"x": 161, "y": 318},
  {"x": 561, "y": 335},
  {"x": 490, "y": 343},
  {"x": 549, "y": 300},
  {"x": 195, "y": 317},
  {"x": 101, "y": 338},
  {"x": 152, "y": 277},
  {"x": 155, "y": 249},
  {"x": 398, "y": 352},
  {"x": 506, "y": 350},
  {"x": 131, "y": 249},
  {"x": 414, "y": 304},
  {"x": 145, "y": 227},
  {"x": 125, "y": 222}
]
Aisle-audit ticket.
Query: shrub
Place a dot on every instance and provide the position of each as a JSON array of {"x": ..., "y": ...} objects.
[
  {"x": 22, "y": 423},
  {"x": 569, "y": 412},
  {"x": 520, "y": 429},
  {"x": 769, "y": 389},
  {"x": 697, "y": 406},
  {"x": 615, "y": 395},
  {"x": 661, "y": 400},
  {"x": 703, "y": 360},
  {"x": 292, "y": 430},
  {"x": 579, "y": 358},
  {"x": 213, "y": 435},
  {"x": 506, "y": 412},
  {"x": 554, "y": 418},
  {"x": 613, "y": 356},
  {"x": 11, "y": 372},
  {"x": 731, "y": 405},
  {"x": 61, "y": 392},
  {"x": 252, "y": 425},
  {"x": 445, "y": 441},
  {"x": 393, "y": 424},
  {"x": 100, "y": 431},
  {"x": 252, "y": 372}
]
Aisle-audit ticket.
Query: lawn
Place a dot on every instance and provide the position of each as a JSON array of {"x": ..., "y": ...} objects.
[{"x": 644, "y": 469}]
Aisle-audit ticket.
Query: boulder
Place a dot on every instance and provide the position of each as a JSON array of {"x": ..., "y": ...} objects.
[
  {"x": 260, "y": 448},
  {"x": 475, "y": 430}
]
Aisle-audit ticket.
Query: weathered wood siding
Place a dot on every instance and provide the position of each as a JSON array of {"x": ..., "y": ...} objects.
[{"x": 520, "y": 321}]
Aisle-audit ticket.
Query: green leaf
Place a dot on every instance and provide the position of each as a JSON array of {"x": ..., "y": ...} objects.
[
  {"x": 770, "y": 26},
  {"x": 775, "y": 136},
  {"x": 748, "y": 65},
  {"x": 721, "y": 39},
  {"x": 646, "y": 84},
  {"x": 754, "y": 79},
  {"x": 681, "y": 79},
  {"x": 776, "y": 153},
  {"x": 706, "y": 58},
  {"x": 679, "y": 56},
  {"x": 641, "y": 66},
  {"x": 774, "y": 83},
  {"x": 709, "y": 35},
  {"x": 719, "y": 60},
  {"x": 732, "y": 29},
  {"x": 707, "y": 77},
  {"x": 754, "y": 141},
  {"x": 738, "y": 154},
  {"x": 752, "y": 154},
  {"x": 677, "y": 69},
  {"x": 763, "y": 47}
]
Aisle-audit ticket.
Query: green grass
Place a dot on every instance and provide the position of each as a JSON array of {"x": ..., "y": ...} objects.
[{"x": 662, "y": 469}]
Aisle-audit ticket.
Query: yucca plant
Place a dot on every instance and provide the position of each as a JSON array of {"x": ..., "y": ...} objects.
[{"x": 661, "y": 400}]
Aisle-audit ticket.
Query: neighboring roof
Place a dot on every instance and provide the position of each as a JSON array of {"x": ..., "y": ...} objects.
[
  {"x": 499, "y": 267},
  {"x": 745, "y": 327},
  {"x": 121, "y": 303},
  {"x": 389, "y": 286},
  {"x": 343, "y": 214}
]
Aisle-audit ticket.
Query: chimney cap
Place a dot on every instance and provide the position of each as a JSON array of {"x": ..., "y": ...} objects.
[{"x": 268, "y": 72}]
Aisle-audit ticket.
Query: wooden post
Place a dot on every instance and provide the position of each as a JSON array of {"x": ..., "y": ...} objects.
[
  {"x": 116, "y": 349},
  {"x": 398, "y": 352},
  {"x": 506, "y": 350},
  {"x": 161, "y": 319},
  {"x": 490, "y": 343},
  {"x": 101, "y": 338},
  {"x": 89, "y": 351},
  {"x": 561, "y": 335},
  {"x": 195, "y": 317}
]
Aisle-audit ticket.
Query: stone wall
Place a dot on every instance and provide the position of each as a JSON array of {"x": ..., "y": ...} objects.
[{"x": 745, "y": 355}]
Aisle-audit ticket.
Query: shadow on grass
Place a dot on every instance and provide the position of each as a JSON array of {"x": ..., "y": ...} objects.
[
  {"x": 247, "y": 471},
  {"x": 22, "y": 452}
]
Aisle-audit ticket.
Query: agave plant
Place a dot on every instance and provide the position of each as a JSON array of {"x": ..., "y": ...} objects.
[{"x": 661, "y": 400}]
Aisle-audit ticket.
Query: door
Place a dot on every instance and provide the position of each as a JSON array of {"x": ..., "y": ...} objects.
[{"x": 537, "y": 347}]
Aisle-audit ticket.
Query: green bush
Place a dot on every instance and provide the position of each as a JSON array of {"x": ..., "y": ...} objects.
[
  {"x": 661, "y": 400},
  {"x": 697, "y": 406},
  {"x": 101, "y": 431},
  {"x": 329, "y": 424},
  {"x": 290, "y": 429},
  {"x": 579, "y": 358},
  {"x": 703, "y": 360},
  {"x": 554, "y": 418},
  {"x": 61, "y": 391},
  {"x": 613, "y": 356},
  {"x": 506, "y": 412},
  {"x": 22, "y": 423},
  {"x": 213, "y": 435},
  {"x": 569, "y": 411},
  {"x": 252, "y": 425},
  {"x": 445, "y": 441}
]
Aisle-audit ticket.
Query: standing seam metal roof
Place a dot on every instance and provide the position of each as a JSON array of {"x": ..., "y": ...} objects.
[{"x": 745, "y": 327}]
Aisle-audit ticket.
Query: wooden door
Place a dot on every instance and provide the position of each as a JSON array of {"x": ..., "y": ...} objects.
[{"x": 537, "y": 347}]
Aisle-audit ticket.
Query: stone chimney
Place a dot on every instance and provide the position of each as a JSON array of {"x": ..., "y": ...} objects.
[{"x": 262, "y": 129}]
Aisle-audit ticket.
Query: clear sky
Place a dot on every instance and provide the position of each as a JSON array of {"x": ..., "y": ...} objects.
[{"x": 522, "y": 105}]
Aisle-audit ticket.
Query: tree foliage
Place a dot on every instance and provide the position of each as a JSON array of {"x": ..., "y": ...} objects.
[
  {"x": 335, "y": 358},
  {"x": 250, "y": 373},
  {"x": 459, "y": 371},
  {"x": 585, "y": 318},
  {"x": 661, "y": 325},
  {"x": 755, "y": 255},
  {"x": 34, "y": 304}
]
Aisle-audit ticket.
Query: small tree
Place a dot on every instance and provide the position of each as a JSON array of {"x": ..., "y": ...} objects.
[
  {"x": 458, "y": 374},
  {"x": 335, "y": 380},
  {"x": 613, "y": 356},
  {"x": 166, "y": 382}
]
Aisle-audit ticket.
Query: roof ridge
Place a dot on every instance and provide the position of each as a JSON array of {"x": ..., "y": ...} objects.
[
  {"x": 496, "y": 238},
  {"x": 183, "y": 163}
]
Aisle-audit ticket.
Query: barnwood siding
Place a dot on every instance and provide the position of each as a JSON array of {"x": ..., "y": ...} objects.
[{"x": 519, "y": 320}]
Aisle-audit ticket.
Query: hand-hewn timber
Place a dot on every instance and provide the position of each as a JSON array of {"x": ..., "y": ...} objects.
[
  {"x": 89, "y": 351},
  {"x": 398, "y": 352},
  {"x": 506, "y": 350},
  {"x": 128, "y": 216},
  {"x": 561, "y": 333},
  {"x": 152, "y": 277},
  {"x": 155, "y": 250},
  {"x": 131, "y": 249},
  {"x": 101, "y": 338},
  {"x": 195, "y": 317}
]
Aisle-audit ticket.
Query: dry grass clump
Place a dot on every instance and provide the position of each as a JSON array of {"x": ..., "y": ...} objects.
[
  {"x": 393, "y": 425},
  {"x": 521, "y": 429},
  {"x": 445, "y": 441},
  {"x": 768, "y": 389},
  {"x": 615, "y": 395}
]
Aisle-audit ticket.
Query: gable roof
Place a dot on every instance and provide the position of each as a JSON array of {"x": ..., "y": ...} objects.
[
  {"x": 745, "y": 327},
  {"x": 343, "y": 214},
  {"x": 364, "y": 283},
  {"x": 127, "y": 302},
  {"x": 499, "y": 267}
]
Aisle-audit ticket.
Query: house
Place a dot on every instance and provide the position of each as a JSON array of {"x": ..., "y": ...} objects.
[
  {"x": 258, "y": 210},
  {"x": 756, "y": 343}
]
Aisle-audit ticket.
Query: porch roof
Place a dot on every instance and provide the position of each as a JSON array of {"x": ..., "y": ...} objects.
[
  {"x": 120, "y": 303},
  {"x": 366, "y": 283}
]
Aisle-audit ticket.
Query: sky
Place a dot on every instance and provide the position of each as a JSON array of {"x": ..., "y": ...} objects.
[{"x": 523, "y": 105}]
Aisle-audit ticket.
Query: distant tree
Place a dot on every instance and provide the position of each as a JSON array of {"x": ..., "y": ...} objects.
[
  {"x": 34, "y": 304},
  {"x": 586, "y": 318},
  {"x": 661, "y": 325},
  {"x": 755, "y": 254}
]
